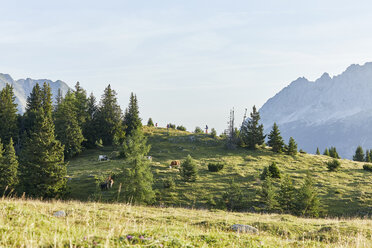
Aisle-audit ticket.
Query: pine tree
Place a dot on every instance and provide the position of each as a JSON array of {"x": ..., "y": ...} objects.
[
  {"x": 368, "y": 156},
  {"x": 275, "y": 139},
  {"x": 67, "y": 128},
  {"x": 81, "y": 105},
  {"x": 90, "y": 125},
  {"x": 317, "y": 151},
  {"x": 188, "y": 169},
  {"x": 292, "y": 147},
  {"x": 251, "y": 132},
  {"x": 333, "y": 152},
  {"x": 34, "y": 104},
  {"x": 132, "y": 120},
  {"x": 8, "y": 167},
  {"x": 8, "y": 114},
  {"x": 274, "y": 170},
  {"x": 308, "y": 203},
  {"x": 233, "y": 197},
  {"x": 138, "y": 177},
  {"x": 359, "y": 154},
  {"x": 268, "y": 195},
  {"x": 326, "y": 152},
  {"x": 286, "y": 195},
  {"x": 109, "y": 118},
  {"x": 150, "y": 123},
  {"x": 43, "y": 170}
]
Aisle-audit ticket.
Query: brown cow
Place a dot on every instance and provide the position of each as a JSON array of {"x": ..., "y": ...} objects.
[{"x": 175, "y": 163}]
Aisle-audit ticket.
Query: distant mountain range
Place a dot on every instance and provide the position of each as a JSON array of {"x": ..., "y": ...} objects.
[
  {"x": 333, "y": 111},
  {"x": 23, "y": 88}
]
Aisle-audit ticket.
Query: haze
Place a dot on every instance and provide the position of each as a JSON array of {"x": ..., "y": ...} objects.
[{"x": 189, "y": 62}]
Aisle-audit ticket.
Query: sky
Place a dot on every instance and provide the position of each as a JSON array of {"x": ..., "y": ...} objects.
[{"x": 189, "y": 62}]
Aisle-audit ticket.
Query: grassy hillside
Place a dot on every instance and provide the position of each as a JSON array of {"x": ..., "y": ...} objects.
[
  {"x": 346, "y": 192},
  {"x": 32, "y": 224}
]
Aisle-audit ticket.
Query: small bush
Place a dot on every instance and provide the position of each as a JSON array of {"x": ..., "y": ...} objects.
[
  {"x": 333, "y": 165},
  {"x": 215, "y": 167},
  {"x": 181, "y": 128},
  {"x": 172, "y": 126},
  {"x": 367, "y": 167},
  {"x": 270, "y": 171},
  {"x": 198, "y": 130},
  {"x": 213, "y": 133},
  {"x": 168, "y": 183},
  {"x": 302, "y": 151}
]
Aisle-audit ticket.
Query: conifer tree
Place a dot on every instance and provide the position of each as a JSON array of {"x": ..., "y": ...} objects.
[
  {"x": 109, "y": 118},
  {"x": 67, "y": 128},
  {"x": 268, "y": 195},
  {"x": 59, "y": 97},
  {"x": 317, "y": 151},
  {"x": 42, "y": 167},
  {"x": 46, "y": 94},
  {"x": 251, "y": 132},
  {"x": 34, "y": 104},
  {"x": 287, "y": 195},
  {"x": 275, "y": 139},
  {"x": 8, "y": 167},
  {"x": 368, "y": 156},
  {"x": 150, "y": 123},
  {"x": 90, "y": 125},
  {"x": 138, "y": 177},
  {"x": 233, "y": 197},
  {"x": 359, "y": 154},
  {"x": 292, "y": 147},
  {"x": 8, "y": 114},
  {"x": 81, "y": 105},
  {"x": 308, "y": 203},
  {"x": 326, "y": 152},
  {"x": 132, "y": 120},
  {"x": 333, "y": 152},
  {"x": 189, "y": 170}
]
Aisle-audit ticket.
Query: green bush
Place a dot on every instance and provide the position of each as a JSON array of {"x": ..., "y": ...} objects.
[
  {"x": 172, "y": 126},
  {"x": 333, "y": 165},
  {"x": 181, "y": 128},
  {"x": 215, "y": 167},
  {"x": 302, "y": 151},
  {"x": 169, "y": 183},
  {"x": 198, "y": 130},
  {"x": 270, "y": 171},
  {"x": 367, "y": 167}
]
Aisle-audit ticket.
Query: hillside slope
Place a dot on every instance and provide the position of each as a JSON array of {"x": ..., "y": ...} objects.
[
  {"x": 32, "y": 224},
  {"x": 328, "y": 112},
  {"x": 346, "y": 192}
]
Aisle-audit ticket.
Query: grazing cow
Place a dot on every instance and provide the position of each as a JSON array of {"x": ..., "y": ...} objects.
[
  {"x": 107, "y": 184},
  {"x": 175, "y": 163}
]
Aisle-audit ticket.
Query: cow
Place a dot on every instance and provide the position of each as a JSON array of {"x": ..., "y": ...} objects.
[
  {"x": 103, "y": 158},
  {"x": 107, "y": 184},
  {"x": 175, "y": 163}
]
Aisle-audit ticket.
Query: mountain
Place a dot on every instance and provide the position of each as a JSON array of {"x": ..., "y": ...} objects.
[
  {"x": 23, "y": 88},
  {"x": 333, "y": 111}
]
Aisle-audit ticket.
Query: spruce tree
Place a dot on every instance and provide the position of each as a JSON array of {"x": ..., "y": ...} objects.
[
  {"x": 233, "y": 197},
  {"x": 189, "y": 170},
  {"x": 251, "y": 132},
  {"x": 326, "y": 152},
  {"x": 8, "y": 115},
  {"x": 150, "y": 123},
  {"x": 317, "y": 151},
  {"x": 292, "y": 147},
  {"x": 138, "y": 177},
  {"x": 67, "y": 128},
  {"x": 368, "y": 156},
  {"x": 8, "y": 167},
  {"x": 42, "y": 167},
  {"x": 132, "y": 120},
  {"x": 308, "y": 203},
  {"x": 34, "y": 104},
  {"x": 359, "y": 154},
  {"x": 287, "y": 195},
  {"x": 333, "y": 152},
  {"x": 90, "y": 125},
  {"x": 109, "y": 118},
  {"x": 268, "y": 195},
  {"x": 275, "y": 139},
  {"x": 81, "y": 105},
  {"x": 46, "y": 94}
]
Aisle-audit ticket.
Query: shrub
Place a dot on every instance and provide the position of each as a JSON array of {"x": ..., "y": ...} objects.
[
  {"x": 168, "y": 183},
  {"x": 181, "y": 128},
  {"x": 170, "y": 125},
  {"x": 367, "y": 167},
  {"x": 198, "y": 130},
  {"x": 188, "y": 170},
  {"x": 215, "y": 167},
  {"x": 150, "y": 123},
  {"x": 333, "y": 165},
  {"x": 213, "y": 133},
  {"x": 302, "y": 151},
  {"x": 270, "y": 171}
]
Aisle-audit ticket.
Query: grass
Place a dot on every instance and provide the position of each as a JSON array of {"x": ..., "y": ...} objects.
[
  {"x": 346, "y": 192},
  {"x": 30, "y": 223}
]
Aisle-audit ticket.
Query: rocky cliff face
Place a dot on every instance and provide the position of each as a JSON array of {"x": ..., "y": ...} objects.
[
  {"x": 23, "y": 88},
  {"x": 333, "y": 111}
]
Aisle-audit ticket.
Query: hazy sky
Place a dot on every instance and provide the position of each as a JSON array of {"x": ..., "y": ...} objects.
[{"x": 189, "y": 62}]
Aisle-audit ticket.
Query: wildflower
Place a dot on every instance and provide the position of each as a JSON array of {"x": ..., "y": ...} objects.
[{"x": 129, "y": 237}]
